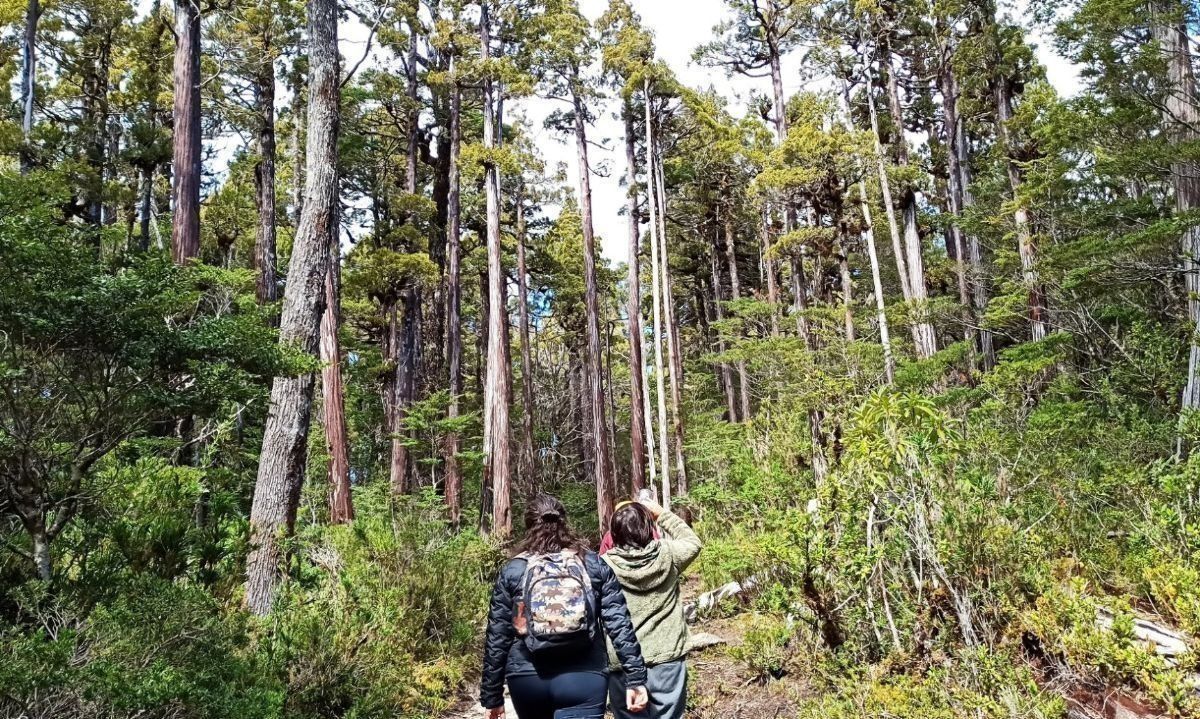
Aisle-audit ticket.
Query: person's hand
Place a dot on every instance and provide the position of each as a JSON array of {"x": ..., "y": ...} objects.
[
  {"x": 636, "y": 699},
  {"x": 654, "y": 507},
  {"x": 496, "y": 712}
]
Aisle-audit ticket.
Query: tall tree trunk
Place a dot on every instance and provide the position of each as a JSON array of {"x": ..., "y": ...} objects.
[
  {"x": 33, "y": 13},
  {"x": 602, "y": 467},
  {"x": 924, "y": 336},
  {"x": 299, "y": 121},
  {"x": 843, "y": 256},
  {"x": 285, "y": 438},
  {"x": 966, "y": 248},
  {"x": 1181, "y": 117},
  {"x": 528, "y": 459},
  {"x": 889, "y": 360},
  {"x": 1025, "y": 242},
  {"x": 769, "y": 269},
  {"x": 185, "y": 221},
  {"x": 974, "y": 249},
  {"x": 725, "y": 376},
  {"x": 453, "y": 488},
  {"x": 267, "y": 285},
  {"x": 496, "y": 385},
  {"x": 633, "y": 311},
  {"x": 147, "y": 168},
  {"x": 735, "y": 291},
  {"x": 341, "y": 505},
  {"x": 410, "y": 349},
  {"x": 657, "y": 294},
  {"x": 674, "y": 355},
  {"x": 889, "y": 206}
]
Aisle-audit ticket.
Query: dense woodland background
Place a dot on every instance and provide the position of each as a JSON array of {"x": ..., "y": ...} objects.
[{"x": 288, "y": 338}]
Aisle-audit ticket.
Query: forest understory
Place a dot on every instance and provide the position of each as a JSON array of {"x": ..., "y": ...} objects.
[{"x": 301, "y": 302}]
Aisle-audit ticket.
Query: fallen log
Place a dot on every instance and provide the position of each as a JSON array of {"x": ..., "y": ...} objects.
[{"x": 708, "y": 601}]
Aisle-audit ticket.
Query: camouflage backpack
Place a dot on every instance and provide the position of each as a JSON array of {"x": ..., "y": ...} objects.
[{"x": 557, "y": 607}]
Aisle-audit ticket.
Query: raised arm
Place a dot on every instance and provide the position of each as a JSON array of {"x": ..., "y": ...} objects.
[
  {"x": 500, "y": 634},
  {"x": 683, "y": 544},
  {"x": 619, "y": 627}
]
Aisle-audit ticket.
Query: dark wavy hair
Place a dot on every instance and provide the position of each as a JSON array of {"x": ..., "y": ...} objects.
[
  {"x": 632, "y": 526},
  {"x": 546, "y": 528}
]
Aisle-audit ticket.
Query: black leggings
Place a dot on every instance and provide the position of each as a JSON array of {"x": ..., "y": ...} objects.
[{"x": 570, "y": 695}]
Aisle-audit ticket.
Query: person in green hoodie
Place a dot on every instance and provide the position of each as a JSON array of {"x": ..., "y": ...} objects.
[{"x": 648, "y": 570}]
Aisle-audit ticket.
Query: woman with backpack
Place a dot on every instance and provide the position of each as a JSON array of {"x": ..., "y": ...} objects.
[
  {"x": 648, "y": 569},
  {"x": 551, "y": 608}
]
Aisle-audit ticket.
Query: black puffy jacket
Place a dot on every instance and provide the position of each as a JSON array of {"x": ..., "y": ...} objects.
[{"x": 505, "y": 654}]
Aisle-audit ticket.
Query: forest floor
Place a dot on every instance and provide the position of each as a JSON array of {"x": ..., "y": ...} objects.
[{"x": 720, "y": 685}]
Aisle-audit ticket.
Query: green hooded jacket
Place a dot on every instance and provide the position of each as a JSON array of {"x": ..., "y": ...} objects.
[{"x": 650, "y": 579}]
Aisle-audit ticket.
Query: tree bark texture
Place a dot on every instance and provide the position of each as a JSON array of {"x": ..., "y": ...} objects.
[
  {"x": 185, "y": 219},
  {"x": 285, "y": 437}
]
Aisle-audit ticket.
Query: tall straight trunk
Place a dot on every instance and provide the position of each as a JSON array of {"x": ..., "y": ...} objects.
[
  {"x": 267, "y": 285},
  {"x": 885, "y": 187},
  {"x": 735, "y": 292},
  {"x": 185, "y": 221},
  {"x": 1026, "y": 247},
  {"x": 648, "y": 424},
  {"x": 968, "y": 272},
  {"x": 657, "y": 294},
  {"x": 341, "y": 505},
  {"x": 974, "y": 249},
  {"x": 410, "y": 346},
  {"x": 674, "y": 353},
  {"x": 406, "y": 362},
  {"x": 725, "y": 376},
  {"x": 528, "y": 459},
  {"x": 150, "y": 169},
  {"x": 924, "y": 335},
  {"x": 498, "y": 376},
  {"x": 285, "y": 438},
  {"x": 769, "y": 269},
  {"x": 1181, "y": 117},
  {"x": 889, "y": 360},
  {"x": 843, "y": 256},
  {"x": 299, "y": 121},
  {"x": 633, "y": 312},
  {"x": 602, "y": 466},
  {"x": 453, "y": 487},
  {"x": 800, "y": 301},
  {"x": 33, "y": 13}
]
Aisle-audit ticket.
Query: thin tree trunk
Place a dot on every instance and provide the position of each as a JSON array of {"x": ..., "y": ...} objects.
[
  {"x": 496, "y": 385},
  {"x": 602, "y": 467},
  {"x": 769, "y": 270},
  {"x": 185, "y": 222},
  {"x": 725, "y": 376},
  {"x": 979, "y": 288},
  {"x": 656, "y": 292},
  {"x": 299, "y": 120},
  {"x": 453, "y": 488},
  {"x": 285, "y": 437},
  {"x": 843, "y": 255},
  {"x": 889, "y": 206},
  {"x": 674, "y": 355},
  {"x": 341, "y": 505},
  {"x": 264, "y": 171},
  {"x": 889, "y": 360},
  {"x": 1181, "y": 117},
  {"x": 33, "y": 13},
  {"x": 735, "y": 290},
  {"x": 1025, "y": 243},
  {"x": 633, "y": 311},
  {"x": 923, "y": 333},
  {"x": 528, "y": 459}
]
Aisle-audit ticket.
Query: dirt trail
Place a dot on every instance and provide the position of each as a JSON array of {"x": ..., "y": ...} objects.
[{"x": 720, "y": 686}]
